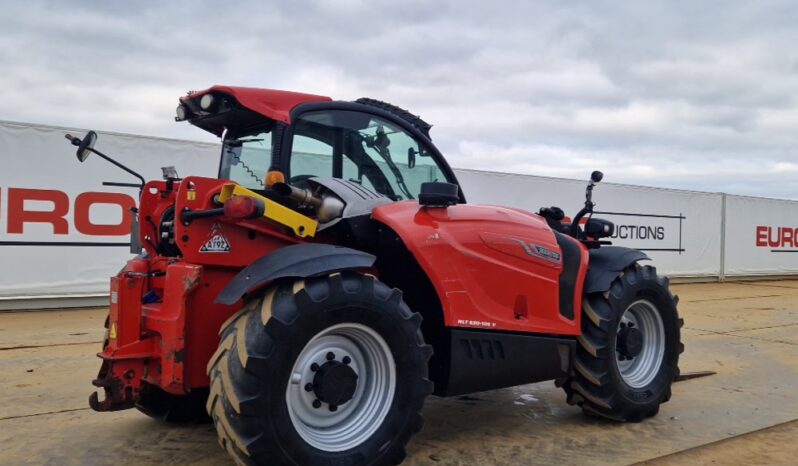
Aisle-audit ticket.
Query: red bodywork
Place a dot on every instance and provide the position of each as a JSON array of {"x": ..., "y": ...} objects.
[
  {"x": 163, "y": 320},
  {"x": 492, "y": 268},
  {"x": 476, "y": 258},
  {"x": 480, "y": 259}
]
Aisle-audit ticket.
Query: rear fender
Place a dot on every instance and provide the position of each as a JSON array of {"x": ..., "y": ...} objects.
[
  {"x": 606, "y": 264},
  {"x": 297, "y": 261}
]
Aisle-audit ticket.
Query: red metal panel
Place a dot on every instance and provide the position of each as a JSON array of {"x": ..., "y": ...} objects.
[
  {"x": 168, "y": 321},
  {"x": 196, "y": 193},
  {"x": 203, "y": 320},
  {"x": 125, "y": 357},
  {"x": 125, "y": 307},
  {"x": 164, "y": 324},
  {"x": 493, "y": 267}
]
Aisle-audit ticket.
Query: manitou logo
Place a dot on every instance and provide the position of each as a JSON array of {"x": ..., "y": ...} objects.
[
  {"x": 539, "y": 251},
  {"x": 777, "y": 237},
  {"x": 53, "y": 207}
]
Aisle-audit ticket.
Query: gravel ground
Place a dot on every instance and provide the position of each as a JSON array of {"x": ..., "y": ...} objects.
[{"x": 743, "y": 415}]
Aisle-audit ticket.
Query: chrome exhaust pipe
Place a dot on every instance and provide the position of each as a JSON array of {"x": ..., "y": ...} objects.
[
  {"x": 327, "y": 208},
  {"x": 303, "y": 196}
]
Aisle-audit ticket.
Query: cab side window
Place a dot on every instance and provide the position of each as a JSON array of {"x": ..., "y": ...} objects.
[
  {"x": 310, "y": 155},
  {"x": 363, "y": 148}
]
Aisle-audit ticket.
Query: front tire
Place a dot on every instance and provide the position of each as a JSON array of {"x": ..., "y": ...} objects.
[
  {"x": 327, "y": 370},
  {"x": 628, "y": 353}
]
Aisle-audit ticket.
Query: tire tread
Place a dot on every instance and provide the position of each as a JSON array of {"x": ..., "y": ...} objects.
[
  {"x": 236, "y": 366},
  {"x": 591, "y": 385}
]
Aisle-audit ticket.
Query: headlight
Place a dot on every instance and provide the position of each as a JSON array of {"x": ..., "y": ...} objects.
[
  {"x": 206, "y": 102},
  {"x": 181, "y": 113}
]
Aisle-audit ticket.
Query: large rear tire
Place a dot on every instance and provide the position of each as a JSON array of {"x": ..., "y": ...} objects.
[
  {"x": 327, "y": 370},
  {"x": 628, "y": 353}
]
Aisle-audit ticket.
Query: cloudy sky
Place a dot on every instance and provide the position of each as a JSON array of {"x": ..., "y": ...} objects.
[{"x": 683, "y": 94}]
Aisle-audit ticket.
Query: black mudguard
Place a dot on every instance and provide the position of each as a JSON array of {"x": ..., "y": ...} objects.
[
  {"x": 479, "y": 360},
  {"x": 297, "y": 261},
  {"x": 606, "y": 263}
]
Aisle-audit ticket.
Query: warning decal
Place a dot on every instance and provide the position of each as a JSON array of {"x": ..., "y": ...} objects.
[{"x": 216, "y": 241}]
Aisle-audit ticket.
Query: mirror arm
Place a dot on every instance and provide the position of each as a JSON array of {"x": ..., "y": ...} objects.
[
  {"x": 588, "y": 208},
  {"x": 100, "y": 154},
  {"x": 121, "y": 185}
]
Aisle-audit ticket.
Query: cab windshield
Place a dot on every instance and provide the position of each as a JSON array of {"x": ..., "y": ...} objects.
[{"x": 246, "y": 160}]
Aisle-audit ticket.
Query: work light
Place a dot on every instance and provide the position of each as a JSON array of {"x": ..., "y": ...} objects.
[
  {"x": 181, "y": 113},
  {"x": 206, "y": 102}
]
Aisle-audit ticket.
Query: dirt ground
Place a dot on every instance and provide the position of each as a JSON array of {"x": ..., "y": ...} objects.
[{"x": 746, "y": 414}]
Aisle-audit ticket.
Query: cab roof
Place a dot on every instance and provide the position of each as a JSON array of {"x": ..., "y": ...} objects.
[{"x": 270, "y": 103}]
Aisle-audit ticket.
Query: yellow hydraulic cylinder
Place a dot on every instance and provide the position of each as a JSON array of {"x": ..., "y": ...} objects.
[{"x": 302, "y": 225}]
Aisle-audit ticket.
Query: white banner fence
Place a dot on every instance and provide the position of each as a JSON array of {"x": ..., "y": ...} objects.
[
  {"x": 62, "y": 233},
  {"x": 760, "y": 236}
]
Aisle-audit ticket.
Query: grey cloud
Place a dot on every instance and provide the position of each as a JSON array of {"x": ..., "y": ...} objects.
[{"x": 695, "y": 95}]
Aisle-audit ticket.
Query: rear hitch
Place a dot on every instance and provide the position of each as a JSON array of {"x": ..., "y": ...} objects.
[{"x": 117, "y": 396}]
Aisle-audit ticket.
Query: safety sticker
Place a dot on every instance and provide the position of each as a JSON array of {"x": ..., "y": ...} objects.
[
  {"x": 216, "y": 241},
  {"x": 112, "y": 331}
]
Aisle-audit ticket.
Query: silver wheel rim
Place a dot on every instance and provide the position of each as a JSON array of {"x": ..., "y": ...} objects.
[
  {"x": 353, "y": 422},
  {"x": 641, "y": 370}
]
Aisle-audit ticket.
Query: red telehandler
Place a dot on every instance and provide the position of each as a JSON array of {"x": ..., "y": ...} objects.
[{"x": 333, "y": 276}]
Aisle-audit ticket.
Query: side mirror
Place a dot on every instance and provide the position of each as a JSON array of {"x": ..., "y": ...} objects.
[
  {"x": 596, "y": 176},
  {"x": 599, "y": 228},
  {"x": 438, "y": 194},
  {"x": 85, "y": 145},
  {"x": 411, "y": 157}
]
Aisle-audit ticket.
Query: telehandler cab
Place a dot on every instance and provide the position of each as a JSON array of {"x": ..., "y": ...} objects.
[{"x": 333, "y": 276}]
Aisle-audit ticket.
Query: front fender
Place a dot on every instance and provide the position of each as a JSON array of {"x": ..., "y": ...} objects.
[
  {"x": 298, "y": 261},
  {"x": 606, "y": 263}
]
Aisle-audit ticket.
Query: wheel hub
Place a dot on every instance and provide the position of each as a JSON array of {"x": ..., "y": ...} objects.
[
  {"x": 341, "y": 387},
  {"x": 335, "y": 383},
  {"x": 640, "y": 344},
  {"x": 630, "y": 341}
]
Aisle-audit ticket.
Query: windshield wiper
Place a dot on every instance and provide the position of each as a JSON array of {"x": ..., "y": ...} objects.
[
  {"x": 380, "y": 143},
  {"x": 237, "y": 161}
]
